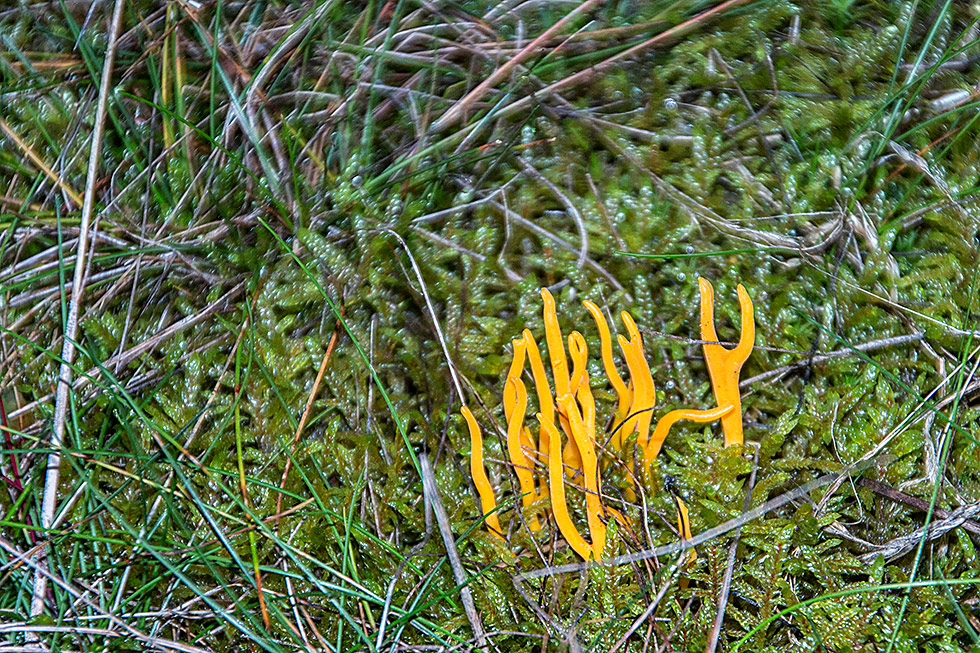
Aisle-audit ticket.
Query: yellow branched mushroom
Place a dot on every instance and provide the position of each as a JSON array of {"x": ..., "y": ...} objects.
[
  {"x": 724, "y": 365},
  {"x": 566, "y": 409}
]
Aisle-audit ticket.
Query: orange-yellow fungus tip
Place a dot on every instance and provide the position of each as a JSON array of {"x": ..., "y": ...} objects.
[
  {"x": 684, "y": 528},
  {"x": 556, "y": 345},
  {"x": 605, "y": 345},
  {"x": 642, "y": 382},
  {"x": 545, "y": 402},
  {"x": 515, "y": 371}
]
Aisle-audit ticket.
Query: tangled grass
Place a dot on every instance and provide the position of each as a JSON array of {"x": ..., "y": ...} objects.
[{"x": 294, "y": 234}]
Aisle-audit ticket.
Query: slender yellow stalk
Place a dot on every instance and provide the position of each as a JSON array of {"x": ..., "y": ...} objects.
[
  {"x": 545, "y": 403},
  {"x": 593, "y": 504},
  {"x": 559, "y": 505},
  {"x": 522, "y": 464},
  {"x": 487, "y": 502},
  {"x": 556, "y": 345},
  {"x": 615, "y": 380},
  {"x": 684, "y": 527},
  {"x": 515, "y": 371},
  {"x": 579, "y": 353},
  {"x": 643, "y": 389},
  {"x": 671, "y": 418}
]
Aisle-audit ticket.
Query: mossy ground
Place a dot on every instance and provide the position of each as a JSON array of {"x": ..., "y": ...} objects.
[{"x": 274, "y": 195}]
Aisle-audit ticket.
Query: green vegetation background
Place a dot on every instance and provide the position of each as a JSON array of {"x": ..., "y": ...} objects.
[{"x": 273, "y": 189}]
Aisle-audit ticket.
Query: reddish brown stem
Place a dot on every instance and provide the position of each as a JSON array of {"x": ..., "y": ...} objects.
[{"x": 14, "y": 482}]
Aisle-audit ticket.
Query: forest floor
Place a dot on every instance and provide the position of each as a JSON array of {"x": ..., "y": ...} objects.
[{"x": 307, "y": 233}]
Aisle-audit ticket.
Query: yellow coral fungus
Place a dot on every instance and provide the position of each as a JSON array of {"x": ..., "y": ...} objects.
[
  {"x": 615, "y": 380},
  {"x": 510, "y": 397},
  {"x": 545, "y": 402},
  {"x": 586, "y": 402},
  {"x": 684, "y": 527},
  {"x": 559, "y": 372},
  {"x": 487, "y": 503},
  {"x": 643, "y": 388},
  {"x": 522, "y": 464},
  {"x": 590, "y": 465},
  {"x": 556, "y": 346},
  {"x": 566, "y": 409},
  {"x": 515, "y": 371},
  {"x": 668, "y": 420},
  {"x": 723, "y": 364},
  {"x": 579, "y": 352},
  {"x": 559, "y": 506}
]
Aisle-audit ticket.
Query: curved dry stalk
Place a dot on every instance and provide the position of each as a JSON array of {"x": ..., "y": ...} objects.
[
  {"x": 432, "y": 314},
  {"x": 531, "y": 49},
  {"x": 431, "y": 493}
]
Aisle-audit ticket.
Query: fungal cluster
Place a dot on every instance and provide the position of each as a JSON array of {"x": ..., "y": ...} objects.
[{"x": 565, "y": 441}]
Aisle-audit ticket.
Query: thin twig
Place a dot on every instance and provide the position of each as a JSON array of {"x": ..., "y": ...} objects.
[
  {"x": 50, "y": 496},
  {"x": 512, "y": 276},
  {"x": 587, "y": 74},
  {"x": 39, "y": 162},
  {"x": 710, "y": 534},
  {"x": 667, "y": 584},
  {"x": 899, "y": 546},
  {"x": 898, "y": 496},
  {"x": 148, "y": 641},
  {"x": 871, "y": 345},
  {"x": 432, "y": 498},
  {"x": 583, "y": 252},
  {"x": 558, "y": 240},
  {"x": 432, "y": 314}
]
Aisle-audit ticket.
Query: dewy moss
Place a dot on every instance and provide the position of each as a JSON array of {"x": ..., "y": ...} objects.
[{"x": 542, "y": 464}]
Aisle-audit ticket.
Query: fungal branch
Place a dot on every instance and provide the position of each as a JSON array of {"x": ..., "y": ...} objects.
[
  {"x": 565, "y": 446},
  {"x": 724, "y": 365}
]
